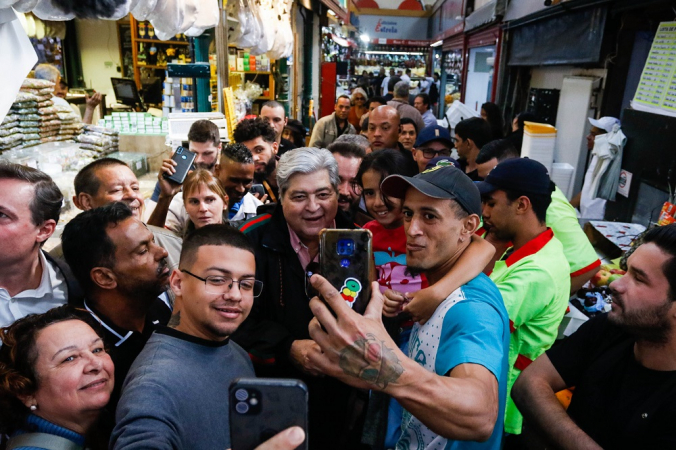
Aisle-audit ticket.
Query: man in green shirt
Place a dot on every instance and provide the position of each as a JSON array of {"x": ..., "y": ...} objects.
[
  {"x": 533, "y": 275},
  {"x": 561, "y": 217}
]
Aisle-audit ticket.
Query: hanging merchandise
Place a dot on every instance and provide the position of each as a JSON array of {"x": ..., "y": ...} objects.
[
  {"x": 23, "y": 6},
  {"x": 249, "y": 30},
  {"x": 264, "y": 26},
  {"x": 265, "y": 10},
  {"x": 169, "y": 17},
  {"x": 207, "y": 17},
  {"x": 45, "y": 10},
  {"x": 283, "y": 46}
]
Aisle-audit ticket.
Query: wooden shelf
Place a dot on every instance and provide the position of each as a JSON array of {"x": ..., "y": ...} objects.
[
  {"x": 136, "y": 40},
  {"x": 157, "y": 41},
  {"x": 252, "y": 73},
  {"x": 147, "y": 66}
]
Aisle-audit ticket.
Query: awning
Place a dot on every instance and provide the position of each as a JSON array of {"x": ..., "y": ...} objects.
[
  {"x": 571, "y": 38},
  {"x": 488, "y": 13},
  {"x": 522, "y": 8}
]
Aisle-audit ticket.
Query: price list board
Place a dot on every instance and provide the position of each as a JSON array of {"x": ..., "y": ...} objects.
[{"x": 656, "y": 91}]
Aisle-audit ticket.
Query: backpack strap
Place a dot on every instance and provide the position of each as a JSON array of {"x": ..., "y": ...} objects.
[
  {"x": 42, "y": 440},
  {"x": 75, "y": 293}
]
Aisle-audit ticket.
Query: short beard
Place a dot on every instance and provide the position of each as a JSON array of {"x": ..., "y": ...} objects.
[
  {"x": 650, "y": 325},
  {"x": 209, "y": 167},
  {"x": 269, "y": 168}
]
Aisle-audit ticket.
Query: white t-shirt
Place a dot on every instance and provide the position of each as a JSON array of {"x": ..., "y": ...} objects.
[{"x": 52, "y": 292}]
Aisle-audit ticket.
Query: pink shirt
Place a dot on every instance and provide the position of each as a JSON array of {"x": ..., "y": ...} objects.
[{"x": 301, "y": 249}]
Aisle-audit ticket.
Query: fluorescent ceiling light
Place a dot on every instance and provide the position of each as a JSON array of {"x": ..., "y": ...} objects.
[
  {"x": 365, "y": 37},
  {"x": 436, "y": 44}
]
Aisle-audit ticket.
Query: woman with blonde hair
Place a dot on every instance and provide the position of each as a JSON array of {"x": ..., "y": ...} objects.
[
  {"x": 358, "y": 109},
  {"x": 205, "y": 200}
]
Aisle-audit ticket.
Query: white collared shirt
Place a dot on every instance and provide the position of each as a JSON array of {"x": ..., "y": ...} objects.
[{"x": 52, "y": 292}]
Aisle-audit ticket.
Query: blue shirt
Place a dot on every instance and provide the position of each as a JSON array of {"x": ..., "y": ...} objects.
[
  {"x": 38, "y": 424},
  {"x": 470, "y": 326},
  {"x": 235, "y": 208}
]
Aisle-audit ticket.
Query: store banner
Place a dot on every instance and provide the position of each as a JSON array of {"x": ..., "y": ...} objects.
[
  {"x": 407, "y": 5},
  {"x": 393, "y": 27}
]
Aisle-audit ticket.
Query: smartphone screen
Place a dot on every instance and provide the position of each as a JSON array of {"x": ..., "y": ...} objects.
[
  {"x": 184, "y": 159},
  {"x": 262, "y": 407},
  {"x": 346, "y": 260}
]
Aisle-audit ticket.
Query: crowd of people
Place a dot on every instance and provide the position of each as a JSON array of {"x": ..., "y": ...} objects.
[{"x": 129, "y": 333}]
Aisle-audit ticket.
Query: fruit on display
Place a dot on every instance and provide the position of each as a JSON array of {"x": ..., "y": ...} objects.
[
  {"x": 606, "y": 275},
  {"x": 613, "y": 277},
  {"x": 601, "y": 278}
]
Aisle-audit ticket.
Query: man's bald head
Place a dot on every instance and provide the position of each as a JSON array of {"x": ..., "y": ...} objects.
[{"x": 383, "y": 131}]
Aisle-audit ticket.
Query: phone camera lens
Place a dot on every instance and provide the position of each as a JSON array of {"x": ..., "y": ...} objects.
[
  {"x": 242, "y": 408},
  {"x": 179, "y": 150},
  {"x": 241, "y": 394}
]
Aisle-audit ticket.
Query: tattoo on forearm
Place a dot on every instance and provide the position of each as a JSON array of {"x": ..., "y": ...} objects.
[
  {"x": 175, "y": 320},
  {"x": 372, "y": 361}
]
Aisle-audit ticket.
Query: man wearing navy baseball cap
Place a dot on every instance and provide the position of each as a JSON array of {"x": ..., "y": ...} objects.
[
  {"x": 432, "y": 141},
  {"x": 456, "y": 366},
  {"x": 533, "y": 275}
]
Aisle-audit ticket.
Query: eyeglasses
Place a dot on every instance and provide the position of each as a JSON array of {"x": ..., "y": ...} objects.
[
  {"x": 430, "y": 153},
  {"x": 359, "y": 98},
  {"x": 218, "y": 285}
]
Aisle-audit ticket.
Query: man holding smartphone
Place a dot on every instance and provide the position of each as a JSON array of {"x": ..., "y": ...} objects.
[
  {"x": 176, "y": 392},
  {"x": 204, "y": 140},
  {"x": 452, "y": 384}
]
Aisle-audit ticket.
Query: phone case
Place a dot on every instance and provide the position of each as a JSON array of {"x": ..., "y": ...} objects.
[
  {"x": 184, "y": 159},
  {"x": 273, "y": 406},
  {"x": 346, "y": 261}
]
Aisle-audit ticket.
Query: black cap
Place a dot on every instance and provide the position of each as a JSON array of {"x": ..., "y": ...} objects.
[
  {"x": 520, "y": 175},
  {"x": 445, "y": 182}
]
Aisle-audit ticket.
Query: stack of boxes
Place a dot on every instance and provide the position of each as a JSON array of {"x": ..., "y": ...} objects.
[
  {"x": 246, "y": 62},
  {"x": 135, "y": 123},
  {"x": 178, "y": 96}
]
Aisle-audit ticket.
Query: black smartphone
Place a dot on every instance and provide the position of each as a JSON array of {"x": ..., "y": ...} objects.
[
  {"x": 262, "y": 407},
  {"x": 258, "y": 189},
  {"x": 184, "y": 159},
  {"x": 346, "y": 261}
]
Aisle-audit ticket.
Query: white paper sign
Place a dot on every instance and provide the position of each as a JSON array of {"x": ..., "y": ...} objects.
[{"x": 625, "y": 183}]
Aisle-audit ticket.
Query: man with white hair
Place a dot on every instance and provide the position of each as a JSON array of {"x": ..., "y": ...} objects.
[
  {"x": 51, "y": 73},
  {"x": 400, "y": 103},
  {"x": 286, "y": 244}
]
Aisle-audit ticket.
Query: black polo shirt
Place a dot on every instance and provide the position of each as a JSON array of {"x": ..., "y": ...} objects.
[{"x": 124, "y": 345}]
